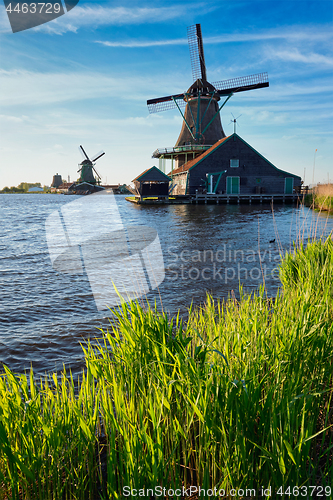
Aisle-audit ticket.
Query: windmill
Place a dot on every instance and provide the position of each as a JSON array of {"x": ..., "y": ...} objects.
[
  {"x": 202, "y": 125},
  {"x": 234, "y": 121},
  {"x": 87, "y": 167}
]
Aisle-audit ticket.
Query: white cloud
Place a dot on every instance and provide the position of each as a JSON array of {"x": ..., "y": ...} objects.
[
  {"x": 291, "y": 34},
  {"x": 294, "y": 55},
  {"x": 94, "y": 16},
  {"x": 20, "y": 87},
  {"x": 28, "y": 88},
  {"x": 296, "y": 33},
  {"x": 151, "y": 43},
  {"x": 14, "y": 119}
]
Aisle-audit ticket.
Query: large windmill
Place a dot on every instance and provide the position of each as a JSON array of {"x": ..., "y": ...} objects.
[{"x": 201, "y": 120}]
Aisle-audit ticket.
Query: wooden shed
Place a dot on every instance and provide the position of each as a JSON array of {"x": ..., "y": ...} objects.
[
  {"x": 152, "y": 183},
  {"x": 232, "y": 166}
]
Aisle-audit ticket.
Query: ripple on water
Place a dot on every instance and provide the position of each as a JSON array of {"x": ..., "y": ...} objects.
[{"x": 45, "y": 315}]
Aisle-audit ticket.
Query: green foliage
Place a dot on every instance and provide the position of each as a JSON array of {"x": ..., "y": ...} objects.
[
  {"x": 240, "y": 396},
  {"x": 23, "y": 187},
  {"x": 26, "y": 186},
  {"x": 12, "y": 189}
]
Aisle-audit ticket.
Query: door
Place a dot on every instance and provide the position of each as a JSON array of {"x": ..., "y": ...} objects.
[
  {"x": 288, "y": 185},
  {"x": 232, "y": 185}
]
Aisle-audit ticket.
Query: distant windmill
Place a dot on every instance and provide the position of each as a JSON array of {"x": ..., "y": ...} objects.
[
  {"x": 201, "y": 120},
  {"x": 87, "y": 167},
  {"x": 234, "y": 121}
]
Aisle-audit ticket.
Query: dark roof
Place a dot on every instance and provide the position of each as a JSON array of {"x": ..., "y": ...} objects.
[
  {"x": 152, "y": 174},
  {"x": 193, "y": 163},
  {"x": 198, "y": 159}
]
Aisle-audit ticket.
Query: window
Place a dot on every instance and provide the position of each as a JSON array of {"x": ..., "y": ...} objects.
[
  {"x": 258, "y": 180},
  {"x": 234, "y": 163}
]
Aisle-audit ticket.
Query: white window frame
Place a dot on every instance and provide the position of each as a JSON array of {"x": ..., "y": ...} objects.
[{"x": 234, "y": 160}]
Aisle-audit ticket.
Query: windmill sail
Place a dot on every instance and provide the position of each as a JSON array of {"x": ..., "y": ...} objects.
[
  {"x": 242, "y": 84},
  {"x": 97, "y": 155},
  {"x": 222, "y": 88},
  {"x": 164, "y": 103},
  {"x": 83, "y": 151},
  {"x": 225, "y": 87},
  {"x": 194, "y": 36}
]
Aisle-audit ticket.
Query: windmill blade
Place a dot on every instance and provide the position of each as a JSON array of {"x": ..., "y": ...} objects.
[
  {"x": 83, "y": 151},
  {"x": 198, "y": 64},
  {"x": 235, "y": 119},
  {"x": 242, "y": 83},
  {"x": 98, "y": 175},
  {"x": 98, "y": 155},
  {"x": 164, "y": 103}
]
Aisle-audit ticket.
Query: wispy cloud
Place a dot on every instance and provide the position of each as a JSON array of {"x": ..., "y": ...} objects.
[
  {"x": 21, "y": 87},
  {"x": 294, "y": 55},
  {"x": 34, "y": 88},
  {"x": 293, "y": 34},
  {"x": 14, "y": 119},
  {"x": 96, "y": 16},
  {"x": 321, "y": 33},
  {"x": 149, "y": 43}
]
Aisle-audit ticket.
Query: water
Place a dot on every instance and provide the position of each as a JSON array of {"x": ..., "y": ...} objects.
[{"x": 45, "y": 314}]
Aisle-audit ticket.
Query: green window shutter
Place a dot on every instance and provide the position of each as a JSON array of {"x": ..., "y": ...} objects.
[
  {"x": 232, "y": 185},
  {"x": 235, "y": 185}
]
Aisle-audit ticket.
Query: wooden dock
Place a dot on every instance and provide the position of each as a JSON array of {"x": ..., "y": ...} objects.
[
  {"x": 246, "y": 198},
  {"x": 174, "y": 200},
  {"x": 235, "y": 199}
]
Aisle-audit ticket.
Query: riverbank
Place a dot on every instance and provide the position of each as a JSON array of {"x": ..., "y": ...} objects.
[
  {"x": 238, "y": 397},
  {"x": 321, "y": 198}
]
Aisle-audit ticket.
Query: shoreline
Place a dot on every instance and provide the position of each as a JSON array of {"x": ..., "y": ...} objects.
[{"x": 201, "y": 403}]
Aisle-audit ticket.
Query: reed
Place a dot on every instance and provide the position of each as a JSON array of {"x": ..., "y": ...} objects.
[
  {"x": 321, "y": 197},
  {"x": 238, "y": 397}
]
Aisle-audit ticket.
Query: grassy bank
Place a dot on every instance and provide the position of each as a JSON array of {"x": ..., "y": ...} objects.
[
  {"x": 238, "y": 397},
  {"x": 321, "y": 197}
]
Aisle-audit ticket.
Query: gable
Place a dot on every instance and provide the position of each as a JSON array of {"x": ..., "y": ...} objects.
[
  {"x": 152, "y": 174},
  {"x": 231, "y": 151}
]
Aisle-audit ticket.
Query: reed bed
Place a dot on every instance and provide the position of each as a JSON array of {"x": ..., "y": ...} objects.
[
  {"x": 238, "y": 397},
  {"x": 321, "y": 197}
]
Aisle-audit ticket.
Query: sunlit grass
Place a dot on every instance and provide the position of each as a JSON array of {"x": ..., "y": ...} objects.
[{"x": 240, "y": 396}]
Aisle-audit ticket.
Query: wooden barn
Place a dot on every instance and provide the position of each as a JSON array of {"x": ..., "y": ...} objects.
[
  {"x": 152, "y": 183},
  {"x": 232, "y": 166}
]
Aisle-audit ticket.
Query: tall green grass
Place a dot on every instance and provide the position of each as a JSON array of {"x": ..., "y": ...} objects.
[{"x": 238, "y": 397}]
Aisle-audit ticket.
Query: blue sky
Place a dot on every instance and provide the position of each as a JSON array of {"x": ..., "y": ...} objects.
[{"x": 85, "y": 79}]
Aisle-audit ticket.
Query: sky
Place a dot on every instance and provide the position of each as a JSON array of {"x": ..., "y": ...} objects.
[{"x": 85, "y": 78}]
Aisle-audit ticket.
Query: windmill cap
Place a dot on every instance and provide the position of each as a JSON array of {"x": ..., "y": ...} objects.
[
  {"x": 205, "y": 87},
  {"x": 86, "y": 162}
]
